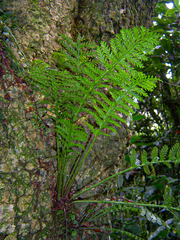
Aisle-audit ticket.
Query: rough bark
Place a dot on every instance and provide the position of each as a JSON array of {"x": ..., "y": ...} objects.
[
  {"x": 28, "y": 174},
  {"x": 99, "y": 20},
  {"x": 40, "y": 22}
]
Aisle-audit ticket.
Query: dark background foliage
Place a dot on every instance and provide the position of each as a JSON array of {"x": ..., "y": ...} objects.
[{"x": 157, "y": 122}]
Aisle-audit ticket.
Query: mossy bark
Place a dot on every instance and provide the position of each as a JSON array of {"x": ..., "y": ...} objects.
[{"x": 40, "y": 22}]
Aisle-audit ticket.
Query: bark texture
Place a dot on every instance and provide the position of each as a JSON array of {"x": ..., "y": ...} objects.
[
  {"x": 40, "y": 22},
  {"x": 29, "y": 170},
  {"x": 99, "y": 20}
]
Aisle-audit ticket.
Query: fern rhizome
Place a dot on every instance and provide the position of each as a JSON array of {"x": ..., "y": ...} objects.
[{"x": 103, "y": 82}]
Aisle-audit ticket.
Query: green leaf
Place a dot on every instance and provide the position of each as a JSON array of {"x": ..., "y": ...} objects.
[
  {"x": 173, "y": 151},
  {"x": 127, "y": 158},
  {"x": 168, "y": 196},
  {"x": 146, "y": 170},
  {"x": 178, "y": 154},
  {"x": 144, "y": 157},
  {"x": 120, "y": 181},
  {"x": 111, "y": 128},
  {"x": 170, "y": 12},
  {"x": 163, "y": 153},
  {"x": 137, "y": 117},
  {"x": 135, "y": 139},
  {"x": 91, "y": 127},
  {"x": 133, "y": 158},
  {"x": 154, "y": 155}
]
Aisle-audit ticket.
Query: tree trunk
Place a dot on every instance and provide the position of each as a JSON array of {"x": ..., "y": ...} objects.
[
  {"x": 40, "y": 22},
  {"x": 35, "y": 33},
  {"x": 100, "y": 20}
]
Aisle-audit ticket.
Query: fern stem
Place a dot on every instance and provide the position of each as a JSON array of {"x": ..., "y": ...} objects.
[
  {"x": 59, "y": 169},
  {"x": 121, "y": 172},
  {"x": 78, "y": 52},
  {"x": 127, "y": 204},
  {"x": 62, "y": 165},
  {"x": 83, "y": 158}
]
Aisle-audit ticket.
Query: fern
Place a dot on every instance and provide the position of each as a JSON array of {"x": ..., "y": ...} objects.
[
  {"x": 168, "y": 198},
  {"x": 154, "y": 154},
  {"x": 173, "y": 151},
  {"x": 101, "y": 83},
  {"x": 76, "y": 54},
  {"x": 103, "y": 89},
  {"x": 163, "y": 153}
]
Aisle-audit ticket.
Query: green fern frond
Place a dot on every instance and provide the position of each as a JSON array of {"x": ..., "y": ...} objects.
[
  {"x": 69, "y": 45},
  {"x": 71, "y": 135},
  {"x": 135, "y": 163},
  {"x": 168, "y": 197},
  {"x": 92, "y": 128},
  {"x": 133, "y": 158},
  {"x": 154, "y": 155},
  {"x": 163, "y": 153},
  {"x": 172, "y": 157},
  {"x": 102, "y": 83},
  {"x": 147, "y": 170},
  {"x": 74, "y": 54},
  {"x": 144, "y": 157},
  {"x": 178, "y": 153},
  {"x": 134, "y": 43},
  {"x": 173, "y": 151}
]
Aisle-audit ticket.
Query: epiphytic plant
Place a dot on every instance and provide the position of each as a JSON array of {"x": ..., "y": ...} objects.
[{"x": 95, "y": 87}]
